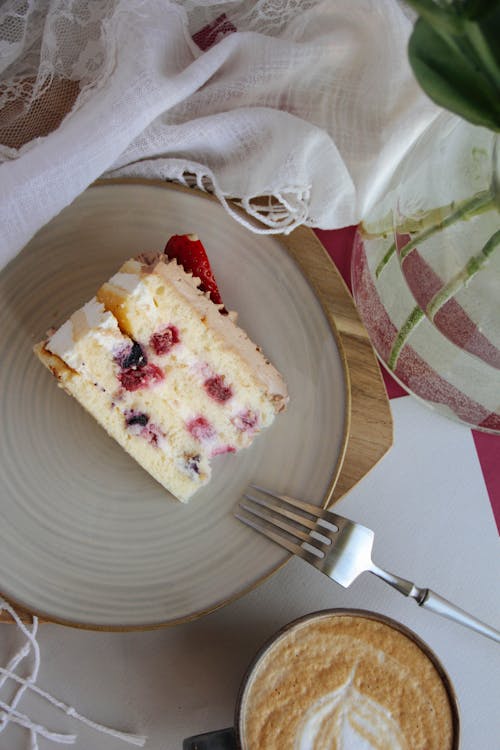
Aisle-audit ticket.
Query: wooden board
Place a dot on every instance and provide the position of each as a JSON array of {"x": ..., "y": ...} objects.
[{"x": 371, "y": 430}]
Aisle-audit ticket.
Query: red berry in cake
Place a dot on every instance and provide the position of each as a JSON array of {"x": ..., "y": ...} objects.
[
  {"x": 245, "y": 421},
  {"x": 162, "y": 341},
  {"x": 221, "y": 449},
  {"x": 190, "y": 253},
  {"x": 152, "y": 433},
  {"x": 141, "y": 377},
  {"x": 201, "y": 429},
  {"x": 139, "y": 424},
  {"x": 217, "y": 389}
]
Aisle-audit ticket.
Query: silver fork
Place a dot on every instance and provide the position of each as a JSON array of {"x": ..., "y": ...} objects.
[{"x": 338, "y": 547}]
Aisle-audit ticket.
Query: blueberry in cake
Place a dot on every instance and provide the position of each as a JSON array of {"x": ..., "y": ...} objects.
[{"x": 160, "y": 364}]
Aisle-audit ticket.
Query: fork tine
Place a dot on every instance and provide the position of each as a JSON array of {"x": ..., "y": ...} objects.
[
  {"x": 316, "y": 546},
  {"x": 307, "y": 507},
  {"x": 324, "y": 514},
  {"x": 293, "y": 531},
  {"x": 305, "y": 522},
  {"x": 274, "y": 536}
]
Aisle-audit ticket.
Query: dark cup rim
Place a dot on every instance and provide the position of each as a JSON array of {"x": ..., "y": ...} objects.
[{"x": 365, "y": 614}]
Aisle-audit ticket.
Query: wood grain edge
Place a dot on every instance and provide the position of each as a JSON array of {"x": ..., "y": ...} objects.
[
  {"x": 22, "y": 613},
  {"x": 371, "y": 428}
]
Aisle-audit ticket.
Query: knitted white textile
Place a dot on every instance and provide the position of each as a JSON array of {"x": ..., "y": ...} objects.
[{"x": 311, "y": 102}]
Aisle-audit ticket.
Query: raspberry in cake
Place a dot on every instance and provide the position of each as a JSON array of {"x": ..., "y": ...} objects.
[{"x": 173, "y": 380}]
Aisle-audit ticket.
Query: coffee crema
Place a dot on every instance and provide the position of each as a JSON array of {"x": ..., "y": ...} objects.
[{"x": 346, "y": 681}]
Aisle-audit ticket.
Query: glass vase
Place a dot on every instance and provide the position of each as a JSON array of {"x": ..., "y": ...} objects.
[{"x": 426, "y": 272}]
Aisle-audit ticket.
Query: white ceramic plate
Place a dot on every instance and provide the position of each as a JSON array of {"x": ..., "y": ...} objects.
[{"x": 86, "y": 536}]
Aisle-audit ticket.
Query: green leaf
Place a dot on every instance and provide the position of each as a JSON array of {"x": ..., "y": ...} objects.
[
  {"x": 451, "y": 71},
  {"x": 475, "y": 10},
  {"x": 489, "y": 29},
  {"x": 444, "y": 19}
]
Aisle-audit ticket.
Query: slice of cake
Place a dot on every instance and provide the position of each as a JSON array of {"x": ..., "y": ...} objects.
[{"x": 166, "y": 371}]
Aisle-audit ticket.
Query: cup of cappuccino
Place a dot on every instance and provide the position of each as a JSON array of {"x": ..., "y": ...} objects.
[{"x": 342, "y": 678}]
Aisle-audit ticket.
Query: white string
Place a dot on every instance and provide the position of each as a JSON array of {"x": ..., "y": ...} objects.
[
  {"x": 9, "y": 712},
  {"x": 280, "y": 216},
  {"x": 283, "y": 221},
  {"x": 23, "y": 653},
  {"x": 132, "y": 739},
  {"x": 8, "y": 671},
  {"x": 19, "y": 718}
]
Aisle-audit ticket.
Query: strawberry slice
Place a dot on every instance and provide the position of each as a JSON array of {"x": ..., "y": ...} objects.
[{"x": 190, "y": 253}]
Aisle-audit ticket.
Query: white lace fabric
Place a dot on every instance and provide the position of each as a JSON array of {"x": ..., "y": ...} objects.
[{"x": 309, "y": 103}]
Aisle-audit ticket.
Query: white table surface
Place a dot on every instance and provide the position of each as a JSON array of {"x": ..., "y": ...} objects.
[{"x": 433, "y": 523}]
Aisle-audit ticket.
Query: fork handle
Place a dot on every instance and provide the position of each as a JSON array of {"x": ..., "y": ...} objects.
[
  {"x": 440, "y": 606},
  {"x": 435, "y": 603}
]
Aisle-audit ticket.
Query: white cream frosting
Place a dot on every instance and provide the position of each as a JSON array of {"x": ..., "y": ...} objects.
[
  {"x": 132, "y": 283},
  {"x": 126, "y": 281},
  {"x": 90, "y": 320}
]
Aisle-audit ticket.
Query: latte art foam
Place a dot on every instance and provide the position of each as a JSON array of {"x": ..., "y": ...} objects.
[
  {"x": 345, "y": 682},
  {"x": 356, "y": 720}
]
